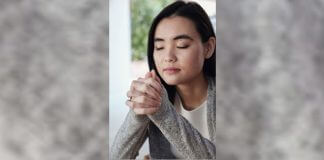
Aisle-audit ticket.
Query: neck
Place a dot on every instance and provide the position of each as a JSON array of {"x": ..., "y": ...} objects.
[{"x": 193, "y": 93}]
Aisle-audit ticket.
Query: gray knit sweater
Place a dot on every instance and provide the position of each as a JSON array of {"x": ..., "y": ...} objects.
[{"x": 164, "y": 128}]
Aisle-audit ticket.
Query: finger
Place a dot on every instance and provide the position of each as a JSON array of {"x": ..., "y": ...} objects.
[
  {"x": 155, "y": 76},
  {"x": 134, "y": 93},
  {"x": 147, "y": 101},
  {"x": 148, "y": 74},
  {"x": 132, "y": 83},
  {"x": 155, "y": 84},
  {"x": 146, "y": 89},
  {"x": 153, "y": 73}
]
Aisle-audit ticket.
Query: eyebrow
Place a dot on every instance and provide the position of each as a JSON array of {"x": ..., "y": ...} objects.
[{"x": 182, "y": 36}]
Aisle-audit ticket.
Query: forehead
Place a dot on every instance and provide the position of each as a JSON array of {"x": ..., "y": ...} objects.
[{"x": 175, "y": 25}]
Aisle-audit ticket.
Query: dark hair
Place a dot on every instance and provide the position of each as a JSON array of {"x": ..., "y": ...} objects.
[{"x": 198, "y": 16}]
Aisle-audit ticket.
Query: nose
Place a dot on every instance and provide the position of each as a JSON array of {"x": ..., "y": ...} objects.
[{"x": 170, "y": 55}]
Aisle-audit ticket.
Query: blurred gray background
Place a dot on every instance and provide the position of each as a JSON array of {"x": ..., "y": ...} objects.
[
  {"x": 270, "y": 80},
  {"x": 53, "y": 80}
]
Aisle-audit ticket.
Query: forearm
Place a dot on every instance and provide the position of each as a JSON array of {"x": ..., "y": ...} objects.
[
  {"x": 181, "y": 134},
  {"x": 130, "y": 137}
]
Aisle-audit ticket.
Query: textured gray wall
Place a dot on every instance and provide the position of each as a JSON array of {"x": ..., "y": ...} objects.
[
  {"x": 270, "y": 80},
  {"x": 53, "y": 80}
]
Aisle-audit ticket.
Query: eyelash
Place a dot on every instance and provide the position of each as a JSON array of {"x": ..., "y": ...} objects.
[
  {"x": 183, "y": 47},
  {"x": 180, "y": 47}
]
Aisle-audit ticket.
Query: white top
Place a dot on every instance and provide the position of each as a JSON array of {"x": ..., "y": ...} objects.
[{"x": 197, "y": 118}]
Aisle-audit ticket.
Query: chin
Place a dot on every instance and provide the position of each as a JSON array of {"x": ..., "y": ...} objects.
[{"x": 171, "y": 81}]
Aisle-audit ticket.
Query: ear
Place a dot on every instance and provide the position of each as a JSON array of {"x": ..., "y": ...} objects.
[{"x": 210, "y": 46}]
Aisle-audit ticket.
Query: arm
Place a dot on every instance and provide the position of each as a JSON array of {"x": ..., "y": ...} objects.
[
  {"x": 181, "y": 134},
  {"x": 133, "y": 132},
  {"x": 130, "y": 137}
]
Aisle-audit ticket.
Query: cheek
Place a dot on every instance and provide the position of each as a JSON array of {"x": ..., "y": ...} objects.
[
  {"x": 195, "y": 61},
  {"x": 195, "y": 65}
]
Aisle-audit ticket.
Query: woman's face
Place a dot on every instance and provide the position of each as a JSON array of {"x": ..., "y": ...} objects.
[{"x": 178, "y": 53}]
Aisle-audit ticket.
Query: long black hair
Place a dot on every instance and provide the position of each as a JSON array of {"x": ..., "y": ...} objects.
[{"x": 199, "y": 17}]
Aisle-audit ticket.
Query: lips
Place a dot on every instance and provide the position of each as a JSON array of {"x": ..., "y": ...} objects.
[{"x": 171, "y": 70}]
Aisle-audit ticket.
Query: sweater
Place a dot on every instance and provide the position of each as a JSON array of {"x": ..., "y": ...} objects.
[{"x": 164, "y": 128}]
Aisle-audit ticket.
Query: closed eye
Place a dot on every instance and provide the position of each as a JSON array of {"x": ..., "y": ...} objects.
[
  {"x": 159, "y": 48},
  {"x": 183, "y": 47}
]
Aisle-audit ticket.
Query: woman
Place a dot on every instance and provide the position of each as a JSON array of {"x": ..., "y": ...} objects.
[{"x": 174, "y": 104}]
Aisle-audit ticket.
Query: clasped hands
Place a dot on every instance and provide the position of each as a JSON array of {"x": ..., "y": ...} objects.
[{"x": 145, "y": 94}]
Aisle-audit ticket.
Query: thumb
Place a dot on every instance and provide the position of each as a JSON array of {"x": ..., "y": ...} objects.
[
  {"x": 148, "y": 75},
  {"x": 153, "y": 73},
  {"x": 155, "y": 76}
]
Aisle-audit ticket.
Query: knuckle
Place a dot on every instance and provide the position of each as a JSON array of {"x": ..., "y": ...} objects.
[
  {"x": 151, "y": 81},
  {"x": 135, "y": 105},
  {"x": 145, "y": 99},
  {"x": 134, "y": 82},
  {"x": 146, "y": 86},
  {"x": 141, "y": 99}
]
